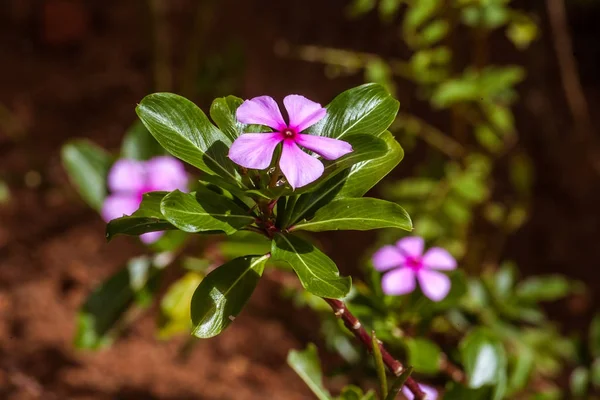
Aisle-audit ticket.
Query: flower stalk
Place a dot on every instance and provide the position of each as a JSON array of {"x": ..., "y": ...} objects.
[{"x": 354, "y": 325}]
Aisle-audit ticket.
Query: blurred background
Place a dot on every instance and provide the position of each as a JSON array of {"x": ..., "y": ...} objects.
[{"x": 498, "y": 121}]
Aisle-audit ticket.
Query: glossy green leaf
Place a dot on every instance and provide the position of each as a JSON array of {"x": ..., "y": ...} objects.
[
  {"x": 399, "y": 383},
  {"x": 424, "y": 355},
  {"x": 307, "y": 365},
  {"x": 223, "y": 293},
  {"x": 147, "y": 218},
  {"x": 354, "y": 182},
  {"x": 543, "y": 288},
  {"x": 317, "y": 272},
  {"x": 87, "y": 166},
  {"x": 185, "y": 132},
  {"x": 175, "y": 306},
  {"x": 368, "y": 108},
  {"x": 139, "y": 144},
  {"x": 483, "y": 357},
  {"x": 102, "y": 313},
  {"x": 222, "y": 111},
  {"x": 204, "y": 211},
  {"x": 357, "y": 214},
  {"x": 365, "y": 147}
]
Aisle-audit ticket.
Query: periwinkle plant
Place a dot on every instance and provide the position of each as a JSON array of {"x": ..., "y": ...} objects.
[{"x": 257, "y": 178}]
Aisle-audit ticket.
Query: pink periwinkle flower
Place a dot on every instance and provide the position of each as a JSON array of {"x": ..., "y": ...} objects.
[
  {"x": 430, "y": 393},
  {"x": 255, "y": 150},
  {"x": 406, "y": 264},
  {"x": 128, "y": 180}
]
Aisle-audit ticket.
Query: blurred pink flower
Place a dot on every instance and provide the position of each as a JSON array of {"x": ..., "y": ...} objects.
[
  {"x": 430, "y": 393},
  {"x": 128, "y": 180},
  {"x": 255, "y": 150},
  {"x": 408, "y": 264}
]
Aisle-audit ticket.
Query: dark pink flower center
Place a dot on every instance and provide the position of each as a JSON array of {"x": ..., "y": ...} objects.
[
  {"x": 413, "y": 263},
  {"x": 288, "y": 133}
]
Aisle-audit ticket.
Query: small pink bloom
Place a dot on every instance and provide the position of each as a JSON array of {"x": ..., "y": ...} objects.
[
  {"x": 408, "y": 264},
  {"x": 255, "y": 150},
  {"x": 128, "y": 180},
  {"x": 430, "y": 393}
]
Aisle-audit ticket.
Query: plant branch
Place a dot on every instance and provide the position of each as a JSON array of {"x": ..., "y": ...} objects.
[{"x": 354, "y": 326}]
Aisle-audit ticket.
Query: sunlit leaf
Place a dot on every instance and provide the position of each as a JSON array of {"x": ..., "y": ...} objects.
[{"x": 307, "y": 365}]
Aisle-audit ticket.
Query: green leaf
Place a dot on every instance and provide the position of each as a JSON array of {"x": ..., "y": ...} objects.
[
  {"x": 87, "y": 166},
  {"x": 594, "y": 339},
  {"x": 222, "y": 111},
  {"x": 352, "y": 392},
  {"x": 317, "y": 272},
  {"x": 354, "y": 182},
  {"x": 398, "y": 384},
  {"x": 307, "y": 365},
  {"x": 458, "y": 391},
  {"x": 368, "y": 108},
  {"x": 543, "y": 288},
  {"x": 365, "y": 147},
  {"x": 524, "y": 362},
  {"x": 484, "y": 358},
  {"x": 357, "y": 214},
  {"x": 147, "y": 218},
  {"x": 424, "y": 355},
  {"x": 99, "y": 317},
  {"x": 185, "y": 132},
  {"x": 579, "y": 381},
  {"x": 223, "y": 293},
  {"x": 175, "y": 306},
  {"x": 204, "y": 211},
  {"x": 139, "y": 144},
  {"x": 379, "y": 365}
]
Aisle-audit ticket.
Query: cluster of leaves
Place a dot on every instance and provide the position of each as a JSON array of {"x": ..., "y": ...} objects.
[
  {"x": 228, "y": 199},
  {"x": 488, "y": 339}
]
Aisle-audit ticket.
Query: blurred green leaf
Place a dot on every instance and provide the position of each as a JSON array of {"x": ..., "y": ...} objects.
[
  {"x": 543, "y": 288},
  {"x": 185, "y": 132},
  {"x": 524, "y": 363},
  {"x": 87, "y": 166},
  {"x": 579, "y": 381},
  {"x": 4, "y": 193},
  {"x": 424, "y": 355},
  {"x": 175, "y": 306},
  {"x": 204, "y": 211},
  {"x": 307, "y": 365},
  {"x": 522, "y": 30},
  {"x": 223, "y": 293},
  {"x": 483, "y": 357},
  {"x": 595, "y": 373},
  {"x": 139, "y": 144},
  {"x": 594, "y": 338},
  {"x": 317, "y": 272},
  {"x": 379, "y": 71},
  {"x": 379, "y": 365},
  {"x": 357, "y": 214},
  {"x": 458, "y": 391},
  {"x": 352, "y": 392},
  {"x": 103, "y": 311}
]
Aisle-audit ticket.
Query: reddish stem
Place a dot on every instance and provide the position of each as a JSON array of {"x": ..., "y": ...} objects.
[{"x": 353, "y": 324}]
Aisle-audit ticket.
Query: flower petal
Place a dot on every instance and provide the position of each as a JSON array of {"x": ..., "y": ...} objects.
[
  {"x": 430, "y": 392},
  {"x": 262, "y": 110},
  {"x": 411, "y": 246},
  {"x": 166, "y": 173},
  {"x": 387, "y": 257},
  {"x": 299, "y": 168},
  {"x": 254, "y": 150},
  {"x": 302, "y": 111},
  {"x": 127, "y": 176},
  {"x": 327, "y": 148},
  {"x": 151, "y": 237},
  {"x": 438, "y": 258},
  {"x": 399, "y": 281},
  {"x": 434, "y": 285},
  {"x": 117, "y": 205}
]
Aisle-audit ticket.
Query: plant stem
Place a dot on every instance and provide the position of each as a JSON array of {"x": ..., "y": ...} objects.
[{"x": 354, "y": 326}]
